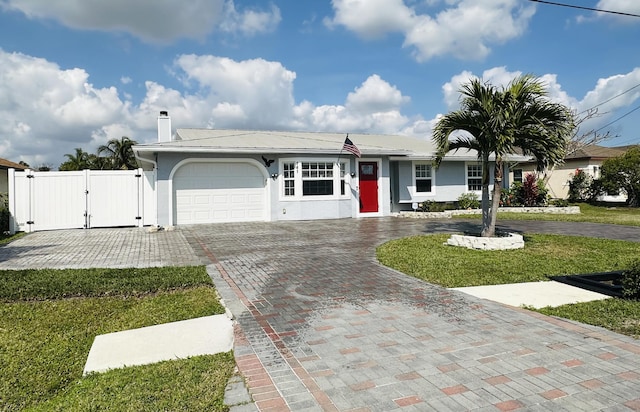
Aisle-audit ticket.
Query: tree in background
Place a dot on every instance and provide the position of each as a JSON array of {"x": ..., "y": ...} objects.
[
  {"x": 120, "y": 153},
  {"x": 77, "y": 161},
  {"x": 497, "y": 123},
  {"x": 622, "y": 173}
]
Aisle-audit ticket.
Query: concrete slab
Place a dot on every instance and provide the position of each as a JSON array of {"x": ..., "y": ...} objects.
[
  {"x": 176, "y": 340},
  {"x": 535, "y": 294}
]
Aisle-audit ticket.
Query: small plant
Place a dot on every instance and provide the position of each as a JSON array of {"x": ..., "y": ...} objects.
[
  {"x": 559, "y": 202},
  {"x": 513, "y": 196},
  {"x": 468, "y": 201},
  {"x": 530, "y": 190},
  {"x": 431, "y": 206},
  {"x": 631, "y": 281}
]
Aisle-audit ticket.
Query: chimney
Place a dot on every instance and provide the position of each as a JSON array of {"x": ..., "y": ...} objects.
[{"x": 164, "y": 127}]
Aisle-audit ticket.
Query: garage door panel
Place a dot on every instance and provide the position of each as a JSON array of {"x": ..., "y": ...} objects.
[{"x": 219, "y": 192}]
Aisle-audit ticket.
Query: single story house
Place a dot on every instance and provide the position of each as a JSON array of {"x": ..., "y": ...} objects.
[
  {"x": 211, "y": 176},
  {"x": 5, "y": 165},
  {"x": 588, "y": 159}
]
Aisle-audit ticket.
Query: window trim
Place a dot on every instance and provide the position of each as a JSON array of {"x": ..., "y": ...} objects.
[
  {"x": 521, "y": 175},
  {"x": 466, "y": 177},
  {"x": 414, "y": 179},
  {"x": 337, "y": 178}
]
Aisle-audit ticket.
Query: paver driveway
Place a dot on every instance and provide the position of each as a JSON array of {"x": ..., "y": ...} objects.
[
  {"x": 322, "y": 326},
  {"x": 325, "y": 327}
]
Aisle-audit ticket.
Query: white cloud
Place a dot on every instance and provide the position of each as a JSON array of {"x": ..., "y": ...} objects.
[
  {"x": 623, "y": 6},
  {"x": 372, "y": 18},
  {"x": 47, "y": 111},
  {"x": 161, "y": 21},
  {"x": 610, "y": 95},
  {"x": 250, "y": 22},
  {"x": 263, "y": 89},
  {"x": 375, "y": 96},
  {"x": 465, "y": 29}
]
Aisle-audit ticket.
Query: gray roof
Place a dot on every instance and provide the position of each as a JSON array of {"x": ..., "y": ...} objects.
[{"x": 285, "y": 142}]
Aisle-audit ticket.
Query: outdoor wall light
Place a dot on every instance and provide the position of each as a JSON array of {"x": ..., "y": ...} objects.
[
  {"x": 353, "y": 174},
  {"x": 274, "y": 176}
]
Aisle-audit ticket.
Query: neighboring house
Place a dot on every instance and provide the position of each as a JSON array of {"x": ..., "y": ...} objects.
[
  {"x": 588, "y": 159},
  {"x": 210, "y": 176},
  {"x": 5, "y": 165}
]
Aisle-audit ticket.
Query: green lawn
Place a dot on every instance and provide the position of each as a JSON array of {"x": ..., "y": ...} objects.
[
  {"x": 49, "y": 318},
  {"x": 619, "y": 215},
  {"x": 618, "y": 315},
  {"x": 426, "y": 258}
]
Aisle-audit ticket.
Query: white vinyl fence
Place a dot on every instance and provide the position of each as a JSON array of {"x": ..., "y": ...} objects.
[{"x": 80, "y": 199}]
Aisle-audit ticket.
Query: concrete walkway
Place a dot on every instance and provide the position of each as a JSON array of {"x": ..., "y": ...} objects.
[
  {"x": 533, "y": 294},
  {"x": 323, "y": 326}
]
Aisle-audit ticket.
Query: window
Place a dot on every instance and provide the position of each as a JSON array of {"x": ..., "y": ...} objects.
[
  {"x": 342, "y": 179},
  {"x": 474, "y": 178},
  {"x": 423, "y": 178},
  {"x": 288, "y": 177},
  {"x": 313, "y": 179},
  {"x": 517, "y": 175},
  {"x": 317, "y": 179}
]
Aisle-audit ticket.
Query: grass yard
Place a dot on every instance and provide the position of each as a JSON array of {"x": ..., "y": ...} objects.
[
  {"x": 619, "y": 215},
  {"x": 618, "y": 315},
  {"x": 426, "y": 258},
  {"x": 49, "y": 318}
]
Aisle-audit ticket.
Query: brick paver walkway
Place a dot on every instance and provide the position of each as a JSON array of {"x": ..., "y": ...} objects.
[
  {"x": 322, "y": 326},
  {"x": 101, "y": 248}
]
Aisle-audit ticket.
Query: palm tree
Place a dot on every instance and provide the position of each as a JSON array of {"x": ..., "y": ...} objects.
[
  {"x": 498, "y": 122},
  {"x": 77, "y": 161},
  {"x": 120, "y": 153}
]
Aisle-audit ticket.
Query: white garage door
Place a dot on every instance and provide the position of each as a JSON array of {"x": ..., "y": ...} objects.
[{"x": 219, "y": 192}]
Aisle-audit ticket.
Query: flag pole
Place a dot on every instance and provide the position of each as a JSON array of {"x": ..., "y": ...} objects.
[{"x": 341, "y": 149}]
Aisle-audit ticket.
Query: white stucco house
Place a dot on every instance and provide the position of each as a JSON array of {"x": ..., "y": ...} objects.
[{"x": 212, "y": 176}]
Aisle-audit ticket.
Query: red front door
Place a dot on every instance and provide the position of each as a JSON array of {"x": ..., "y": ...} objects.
[{"x": 368, "y": 180}]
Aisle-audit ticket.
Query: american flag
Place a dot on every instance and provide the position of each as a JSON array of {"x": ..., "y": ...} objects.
[{"x": 350, "y": 147}]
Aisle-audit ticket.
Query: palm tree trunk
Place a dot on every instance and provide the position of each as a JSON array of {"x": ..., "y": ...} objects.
[
  {"x": 495, "y": 198},
  {"x": 486, "y": 212}
]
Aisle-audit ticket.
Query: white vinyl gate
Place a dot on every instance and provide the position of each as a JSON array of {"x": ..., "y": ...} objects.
[{"x": 80, "y": 199}]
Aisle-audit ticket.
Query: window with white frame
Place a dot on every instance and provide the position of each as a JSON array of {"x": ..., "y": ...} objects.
[
  {"x": 474, "y": 178},
  {"x": 517, "y": 175},
  {"x": 317, "y": 178},
  {"x": 423, "y": 177},
  {"x": 289, "y": 178}
]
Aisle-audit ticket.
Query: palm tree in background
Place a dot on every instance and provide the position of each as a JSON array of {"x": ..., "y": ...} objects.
[
  {"x": 498, "y": 122},
  {"x": 120, "y": 153},
  {"x": 79, "y": 160}
]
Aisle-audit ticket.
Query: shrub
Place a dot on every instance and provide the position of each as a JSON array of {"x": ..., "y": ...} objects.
[
  {"x": 580, "y": 186},
  {"x": 631, "y": 281},
  {"x": 513, "y": 196},
  {"x": 431, "y": 206},
  {"x": 559, "y": 202},
  {"x": 531, "y": 192},
  {"x": 468, "y": 201},
  {"x": 4, "y": 213}
]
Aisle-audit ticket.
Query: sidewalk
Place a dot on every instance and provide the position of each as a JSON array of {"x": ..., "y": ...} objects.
[{"x": 534, "y": 294}]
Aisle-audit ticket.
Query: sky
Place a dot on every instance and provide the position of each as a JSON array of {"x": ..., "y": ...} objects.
[{"x": 76, "y": 73}]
